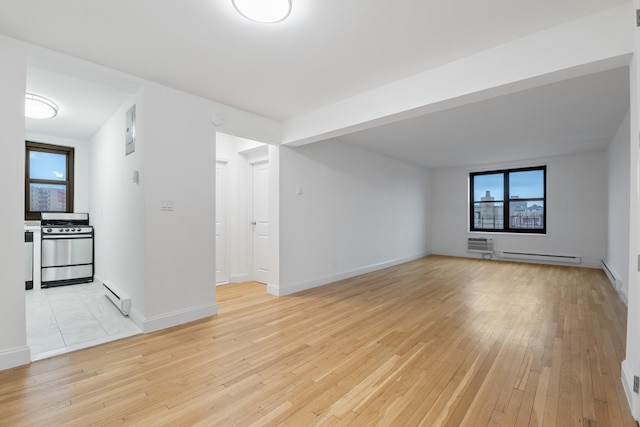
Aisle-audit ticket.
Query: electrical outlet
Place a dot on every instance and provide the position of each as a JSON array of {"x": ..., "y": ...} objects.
[{"x": 166, "y": 205}]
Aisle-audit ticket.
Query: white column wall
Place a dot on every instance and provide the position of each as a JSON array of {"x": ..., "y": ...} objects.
[
  {"x": 631, "y": 364},
  {"x": 13, "y": 342}
]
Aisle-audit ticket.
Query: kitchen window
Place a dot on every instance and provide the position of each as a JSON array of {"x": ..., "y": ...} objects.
[
  {"x": 48, "y": 179},
  {"x": 509, "y": 200}
]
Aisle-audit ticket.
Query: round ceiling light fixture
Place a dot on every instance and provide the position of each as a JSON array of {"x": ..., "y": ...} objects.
[
  {"x": 39, "y": 107},
  {"x": 263, "y": 11}
]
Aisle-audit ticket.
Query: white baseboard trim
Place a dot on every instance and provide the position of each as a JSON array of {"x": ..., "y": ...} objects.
[
  {"x": 627, "y": 384},
  {"x": 14, "y": 357},
  {"x": 314, "y": 283},
  {"x": 163, "y": 321},
  {"x": 239, "y": 278}
]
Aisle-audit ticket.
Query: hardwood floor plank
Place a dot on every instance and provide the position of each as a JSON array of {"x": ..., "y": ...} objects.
[{"x": 437, "y": 341}]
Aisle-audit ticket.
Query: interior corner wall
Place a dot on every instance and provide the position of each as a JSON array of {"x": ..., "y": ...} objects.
[
  {"x": 116, "y": 206},
  {"x": 13, "y": 335},
  {"x": 618, "y": 214},
  {"x": 345, "y": 211},
  {"x": 81, "y": 166},
  {"x": 576, "y": 210}
]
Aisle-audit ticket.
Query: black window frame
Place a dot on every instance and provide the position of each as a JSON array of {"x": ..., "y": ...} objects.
[
  {"x": 506, "y": 202},
  {"x": 69, "y": 152}
]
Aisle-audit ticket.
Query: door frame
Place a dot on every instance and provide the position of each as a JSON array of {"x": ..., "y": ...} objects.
[{"x": 225, "y": 163}]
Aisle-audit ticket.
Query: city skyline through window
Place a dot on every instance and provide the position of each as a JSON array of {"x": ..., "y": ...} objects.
[
  {"x": 49, "y": 178},
  {"x": 517, "y": 195}
]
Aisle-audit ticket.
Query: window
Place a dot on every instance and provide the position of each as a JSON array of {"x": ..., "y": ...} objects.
[
  {"x": 511, "y": 200},
  {"x": 48, "y": 179}
]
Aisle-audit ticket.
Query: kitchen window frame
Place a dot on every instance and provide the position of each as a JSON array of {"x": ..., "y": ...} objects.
[{"x": 42, "y": 147}]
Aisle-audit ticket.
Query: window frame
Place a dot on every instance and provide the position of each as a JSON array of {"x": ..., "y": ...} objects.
[
  {"x": 69, "y": 152},
  {"x": 506, "y": 201}
]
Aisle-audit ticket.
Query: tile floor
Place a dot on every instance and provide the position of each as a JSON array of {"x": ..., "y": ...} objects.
[{"x": 68, "y": 318}]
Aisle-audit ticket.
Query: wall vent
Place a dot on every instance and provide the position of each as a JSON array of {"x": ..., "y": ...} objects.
[{"x": 480, "y": 244}]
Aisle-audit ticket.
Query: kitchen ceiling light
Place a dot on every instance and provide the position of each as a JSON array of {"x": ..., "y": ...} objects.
[
  {"x": 263, "y": 11},
  {"x": 39, "y": 107}
]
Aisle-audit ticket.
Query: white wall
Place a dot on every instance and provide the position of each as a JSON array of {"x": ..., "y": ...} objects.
[
  {"x": 13, "y": 342},
  {"x": 81, "y": 166},
  {"x": 618, "y": 212},
  {"x": 631, "y": 364},
  {"x": 117, "y": 205},
  {"x": 358, "y": 211},
  {"x": 576, "y": 210},
  {"x": 179, "y": 245}
]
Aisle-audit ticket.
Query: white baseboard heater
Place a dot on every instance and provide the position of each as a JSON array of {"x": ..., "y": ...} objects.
[
  {"x": 117, "y": 296},
  {"x": 617, "y": 284},
  {"x": 571, "y": 259}
]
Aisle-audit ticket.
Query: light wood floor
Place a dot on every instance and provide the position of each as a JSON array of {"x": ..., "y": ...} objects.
[{"x": 438, "y": 341}]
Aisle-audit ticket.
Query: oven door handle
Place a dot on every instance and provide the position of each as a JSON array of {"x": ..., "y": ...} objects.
[{"x": 66, "y": 236}]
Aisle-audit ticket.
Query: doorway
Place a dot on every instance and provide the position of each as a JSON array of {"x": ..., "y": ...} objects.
[{"x": 244, "y": 211}]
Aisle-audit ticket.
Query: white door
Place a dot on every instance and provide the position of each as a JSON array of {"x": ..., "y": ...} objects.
[
  {"x": 222, "y": 274},
  {"x": 259, "y": 218}
]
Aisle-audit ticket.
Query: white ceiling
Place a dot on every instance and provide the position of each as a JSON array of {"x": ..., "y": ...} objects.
[
  {"x": 326, "y": 51},
  {"x": 83, "y": 106},
  {"x": 572, "y": 116}
]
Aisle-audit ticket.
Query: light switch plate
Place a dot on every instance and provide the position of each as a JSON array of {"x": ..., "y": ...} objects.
[{"x": 166, "y": 205}]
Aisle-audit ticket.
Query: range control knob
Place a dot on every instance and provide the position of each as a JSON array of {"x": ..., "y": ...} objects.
[
  {"x": 49, "y": 230},
  {"x": 67, "y": 230}
]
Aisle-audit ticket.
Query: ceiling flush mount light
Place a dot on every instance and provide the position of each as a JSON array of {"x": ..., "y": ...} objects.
[
  {"x": 263, "y": 11},
  {"x": 39, "y": 107}
]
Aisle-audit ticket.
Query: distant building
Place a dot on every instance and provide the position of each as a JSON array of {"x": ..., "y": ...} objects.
[
  {"x": 487, "y": 214},
  {"x": 47, "y": 199}
]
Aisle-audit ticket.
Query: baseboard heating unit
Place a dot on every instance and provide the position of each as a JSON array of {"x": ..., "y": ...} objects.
[
  {"x": 571, "y": 259},
  {"x": 617, "y": 284},
  {"x": 117, "y": 296}
]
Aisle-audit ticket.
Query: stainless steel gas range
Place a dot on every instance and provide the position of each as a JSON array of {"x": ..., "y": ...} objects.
[{"x": 67, "y": 249}]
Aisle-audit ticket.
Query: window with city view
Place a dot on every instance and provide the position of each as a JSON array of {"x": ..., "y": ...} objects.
[
  {"x": 510, "y": 200},
  {"x": 48, "y": 179}
]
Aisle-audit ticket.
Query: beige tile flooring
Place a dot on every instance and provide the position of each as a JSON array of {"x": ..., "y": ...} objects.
[{"x": 68, "y": 318}]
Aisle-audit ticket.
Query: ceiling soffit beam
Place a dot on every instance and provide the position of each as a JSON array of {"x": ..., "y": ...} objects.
[{"x": 591, "y": 44}]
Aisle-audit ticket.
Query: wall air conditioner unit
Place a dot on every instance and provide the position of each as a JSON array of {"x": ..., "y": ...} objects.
[
  {"x": 117, "y": 296},
  {"x": 480, "y": 244}
]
